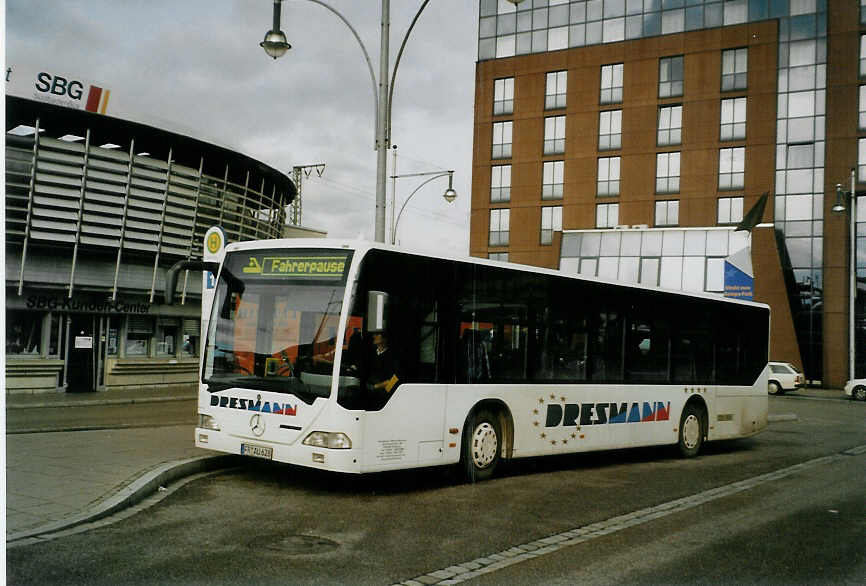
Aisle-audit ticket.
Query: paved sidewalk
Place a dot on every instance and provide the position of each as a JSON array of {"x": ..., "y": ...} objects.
[{"x": 56, "y": 480}]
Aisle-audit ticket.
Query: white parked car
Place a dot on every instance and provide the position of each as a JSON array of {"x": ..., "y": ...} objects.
[
  {"x": 784, "y": 377},
  {"x": 856, "y": 388}
]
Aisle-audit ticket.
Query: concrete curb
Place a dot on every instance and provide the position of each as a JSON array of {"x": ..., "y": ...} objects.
[
  {"x": 97, "y": 402},
  {"x": 135, "y": 492}
]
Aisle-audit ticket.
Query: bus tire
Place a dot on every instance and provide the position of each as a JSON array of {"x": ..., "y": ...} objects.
[
  {"x": 691, "y": 436},
  {"x": 482, "y": 444}
]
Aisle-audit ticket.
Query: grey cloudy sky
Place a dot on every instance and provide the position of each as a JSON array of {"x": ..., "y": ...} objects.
[{"x": 195, "y": 66}]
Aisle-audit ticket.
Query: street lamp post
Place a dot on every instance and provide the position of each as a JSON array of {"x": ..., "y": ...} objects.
[
  {"x": 450, "y": 194},
  {"x": 276, "y": 45},
  {"x": 839, "y": 207}
]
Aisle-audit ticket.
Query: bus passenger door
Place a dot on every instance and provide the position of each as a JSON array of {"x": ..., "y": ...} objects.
[{"x": 408, "y": 431}]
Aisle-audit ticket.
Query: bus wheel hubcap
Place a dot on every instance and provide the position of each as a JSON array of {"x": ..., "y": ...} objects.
[
  {"x": 691, "y": 431},
  {"x": 484, "y": 445}
]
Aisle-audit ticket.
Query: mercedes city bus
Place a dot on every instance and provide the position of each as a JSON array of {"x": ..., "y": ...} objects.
[{"x": 492, "y": 361}]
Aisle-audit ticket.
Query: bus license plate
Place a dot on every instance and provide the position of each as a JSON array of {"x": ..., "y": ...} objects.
[{"x": 257, "y": 451}]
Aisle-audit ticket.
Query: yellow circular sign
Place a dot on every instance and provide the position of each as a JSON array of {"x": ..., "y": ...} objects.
[{"x": 214, "y": 242}]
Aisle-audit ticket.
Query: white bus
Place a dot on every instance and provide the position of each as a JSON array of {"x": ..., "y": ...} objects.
[{"x": 491, "y": 361}]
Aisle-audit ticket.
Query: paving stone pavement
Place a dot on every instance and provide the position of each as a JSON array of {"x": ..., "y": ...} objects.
[{"x": 60, "y": 479}]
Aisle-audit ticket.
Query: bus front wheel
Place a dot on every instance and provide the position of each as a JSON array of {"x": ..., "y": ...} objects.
[
  {"x": 482, "y": 439},
  {"x": 691, "y": 431}
]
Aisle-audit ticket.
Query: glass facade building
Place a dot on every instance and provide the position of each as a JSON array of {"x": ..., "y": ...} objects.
[{"x": 800, "y": 168}]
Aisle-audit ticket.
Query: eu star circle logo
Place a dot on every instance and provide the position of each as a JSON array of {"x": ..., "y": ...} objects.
[{"x": 214, "y": 242}]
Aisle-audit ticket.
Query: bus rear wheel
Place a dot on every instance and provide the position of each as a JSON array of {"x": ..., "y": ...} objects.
[
  {"x": 691, "y": 431},
  {"x": 482, "y": 444}
]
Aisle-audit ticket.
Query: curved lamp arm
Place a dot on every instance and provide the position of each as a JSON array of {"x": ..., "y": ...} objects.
[
  {"x": 360, "y": 43},
  {"x": 422, "y": 184},
  {"x": 394, "y": 73}
]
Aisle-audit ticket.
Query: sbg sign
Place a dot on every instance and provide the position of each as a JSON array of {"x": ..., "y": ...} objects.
[
  {"x": 59, "y": 86},
  {"x": 70, "y": 92}
]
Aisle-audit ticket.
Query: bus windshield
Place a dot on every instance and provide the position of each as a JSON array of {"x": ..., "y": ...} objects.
[{"x": 274, "y": 321}]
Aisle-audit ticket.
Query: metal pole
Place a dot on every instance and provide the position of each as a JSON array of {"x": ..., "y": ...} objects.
[
  {"x": 852, "y": 293},
  {"x": 393, "y": 190},
  {"x": 381, "y": 124}
]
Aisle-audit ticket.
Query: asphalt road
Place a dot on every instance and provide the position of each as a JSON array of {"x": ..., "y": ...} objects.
[{"x": 784, "y": 507}]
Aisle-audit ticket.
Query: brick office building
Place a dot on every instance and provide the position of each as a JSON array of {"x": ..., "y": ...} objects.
[{"x": 626, "y": 140}]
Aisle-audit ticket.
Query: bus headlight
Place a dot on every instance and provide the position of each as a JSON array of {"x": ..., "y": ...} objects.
[
  {"x": 207, "y": 422},
  {"x": 325, "y": 439}
]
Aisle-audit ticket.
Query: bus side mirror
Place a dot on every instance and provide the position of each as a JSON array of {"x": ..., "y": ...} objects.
[{"x": 377, "y": 306}]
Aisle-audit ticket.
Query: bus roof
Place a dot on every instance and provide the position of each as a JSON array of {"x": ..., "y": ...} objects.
[{"x": 364, "y": 246}]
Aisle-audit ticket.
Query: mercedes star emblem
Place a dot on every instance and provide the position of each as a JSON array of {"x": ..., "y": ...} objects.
[{"x": 257, "y": 424}]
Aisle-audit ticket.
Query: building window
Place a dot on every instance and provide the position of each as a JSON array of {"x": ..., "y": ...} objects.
[
  {"x": 139, "y": 329},
  {"x": 552, "y": 179},
  {"x": 500, "y": 183},
  {"x": 24, "y": 333},
  {"x": 610, "y": 130},
  {"x": 502, "y": 140},
  {"x": 861, "y": 160},
  {"x": 500, "y": 256},
  {"x": 611, "y": 84},
  {"x": 862, "y": 55},
  {"x": 191, "y": 333},
  {"x": 503, "y": 96},
  {"x": 555, "y": 90},
  {"x": 671, "y": 76},
  {"x": 668, "y": 213},
  {"x": 166, "y": 336},
  {"x": 606, "y": 215},
  {"x": 551, "y": 221},
  {"x": 608, "y": 176},
  {"x": 554, "y": 135},
  {"x": 499, "y": 221},
  {"x": 862, "y": 123},
  {"x": 732, "y": 165},
  {"x": 667, "y": 173},
  {"x": 733, "y": 119},
  {"x": 670, "y": 131},
  {"x": 735, "y": 68},
  {"x": 730, "y": 210}
]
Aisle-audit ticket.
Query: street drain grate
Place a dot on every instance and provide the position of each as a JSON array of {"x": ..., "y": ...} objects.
[{"x": 303, "y": 544}]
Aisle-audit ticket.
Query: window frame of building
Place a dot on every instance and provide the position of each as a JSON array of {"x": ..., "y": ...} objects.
[
  {"x": 503, "y": 131},
  {"x": 138, "y": 336},
  {"x": 555, "y": 90},
  {"x": 610, "y": 130},
  {"x": 552, "y": 180},
  {"x": 611, "y": 75},
  {"x": 671, "y": 76},
  {"x": 667, "y": 213},
  {"x": 862, "y": 68},
  {"x": 735, "y": 69},
  {"x": 499, "y": 217},
  {"x": 861, "y": 123},
  {"x": 861, "y": 160},
  {"x": 500, "y": 256},
  {"x": 732, "y": 119},
  {"x": 732, "y": 168},
  {"x": 608, "y": 211},
  {"x": 551, "y": 221},
  {"x": 500, "y": 183},
  {"x": 668, "y": 169},
  {"x": 554, "y": 135},
  {"x": 503, "y": 96},
  {"x": 669, "y": 131},
  {"x": 167, "y": 336},
  {"x": 729, "y": 210},
  {"x": 609, "y": 176}
]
